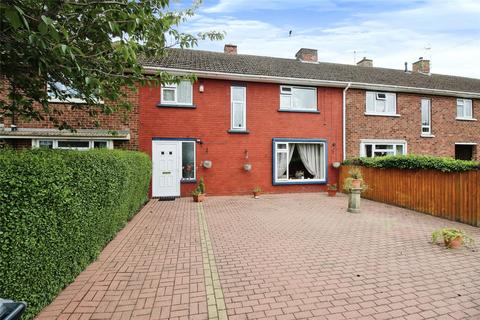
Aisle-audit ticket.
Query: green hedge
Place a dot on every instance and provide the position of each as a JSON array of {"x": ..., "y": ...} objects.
[
  {"x": 58, "y": 209},
  {"x": 413, "y": 162}
]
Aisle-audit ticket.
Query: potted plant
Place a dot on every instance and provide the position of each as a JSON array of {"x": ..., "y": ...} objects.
[
  {"x": 356, "y": 176},
  {"x": 453, "y": 238},
  {"x": 256, "y": 192},
  {"x": 199, "y": 193},
  {"x": 332, "y": 190}
]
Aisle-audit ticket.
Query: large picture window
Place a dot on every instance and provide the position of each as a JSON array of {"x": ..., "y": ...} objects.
[
  {"x": 298, "y": 98},
  {"x": 299, "y": 161},
  {"x": 177, "y": 94},
  {"x": 380, "y": 148}
]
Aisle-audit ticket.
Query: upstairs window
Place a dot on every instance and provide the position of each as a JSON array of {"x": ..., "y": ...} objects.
[
  {"x": 464, "y": 109},
  {"x": 72, "y": 95},
  {"x": 238, "y": 108},
  {"x": 426, "y": 117},
  {"x": 177, "y": 94},
  {"x": 381, "y": 103},
  {"x": 298, "y": 98}
]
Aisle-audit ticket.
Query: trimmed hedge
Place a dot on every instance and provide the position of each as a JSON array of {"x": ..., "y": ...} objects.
[
  {"x": 414, "y": 162},
  {"x": 58, "y": 209}
]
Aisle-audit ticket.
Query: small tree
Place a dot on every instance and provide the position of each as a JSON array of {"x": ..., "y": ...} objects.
[{"x": 90, "y": 46}]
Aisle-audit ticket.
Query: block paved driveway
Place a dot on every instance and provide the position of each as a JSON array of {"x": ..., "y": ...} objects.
[{"x": 293, "y": 256}]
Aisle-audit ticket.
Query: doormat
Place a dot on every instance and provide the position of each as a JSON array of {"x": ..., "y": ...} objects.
[{"x": 166, "y": 198}]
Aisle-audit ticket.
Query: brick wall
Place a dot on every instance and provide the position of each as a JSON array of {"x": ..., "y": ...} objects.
[
  {"x": 211, "y": 120},
  {"x": 407, "y": 127},
  {"x": 80, "y": 119}
]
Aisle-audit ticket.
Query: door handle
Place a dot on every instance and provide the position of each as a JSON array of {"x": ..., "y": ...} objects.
[{"x": 166, "y": 172}]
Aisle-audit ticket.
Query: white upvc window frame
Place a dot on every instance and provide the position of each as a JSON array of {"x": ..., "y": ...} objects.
[
  {"x": 174, "y": 87},
  {"x": 381, "y": 96},
  {"x": 91, "y": 143},
  {"x": 463, "y": 103},
  {"x": 289, "y": 91},
  {"x": 426, "y": 129},
  {"x": 243, "y": 102},
  {"x": 68, "y": 100},
  {"x": 194, "y": 179},
  {"x": 287, "y": 142},
  {"x": 375, "y": 142}
]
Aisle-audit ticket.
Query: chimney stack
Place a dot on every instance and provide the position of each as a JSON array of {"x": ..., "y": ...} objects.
[
  {"x": 421, "y": 66},
  {"x": 230, "y": 49},
  {"x": 365, "y": 62},
  {"x": 307, "y": 55}
]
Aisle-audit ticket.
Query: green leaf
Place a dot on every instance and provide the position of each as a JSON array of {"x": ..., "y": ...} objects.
[{"x": 13, "y": 17}]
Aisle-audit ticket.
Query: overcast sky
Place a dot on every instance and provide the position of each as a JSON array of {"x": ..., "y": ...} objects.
[{"x": 389, "y": 32}]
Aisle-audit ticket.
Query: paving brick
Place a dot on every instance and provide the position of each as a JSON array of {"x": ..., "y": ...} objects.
[{"x": 295, "y": 256}]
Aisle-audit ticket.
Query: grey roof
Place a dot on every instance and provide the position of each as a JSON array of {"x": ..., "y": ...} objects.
[
  {"x": 79, "y": 133},
  {"x": 291, "y": 68}
]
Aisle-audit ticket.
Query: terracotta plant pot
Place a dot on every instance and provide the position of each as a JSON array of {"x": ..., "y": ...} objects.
[
  {"x": 332, "y": 193},
  {"x": 356, "y": 183},
  {"x": 198, "y": 198},
  {"x": 453, "y": 243},
  {"x": 256, "y": 194}
]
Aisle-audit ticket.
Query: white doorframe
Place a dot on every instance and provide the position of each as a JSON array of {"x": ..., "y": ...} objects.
[{"x": 167, "y": 168}]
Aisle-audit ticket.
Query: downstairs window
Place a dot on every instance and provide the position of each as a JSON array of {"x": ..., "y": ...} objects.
[
  {"x": 380, "y": 148},
  {"x": 299, "y": 161},
  {"x": 75, "y": 144}
]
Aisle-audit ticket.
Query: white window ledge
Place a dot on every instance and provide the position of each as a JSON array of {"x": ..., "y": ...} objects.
[
  {"x": 382, "y": 114},
  {"x": 427, "y": 136},
  {"x": 465, "y": 119}
]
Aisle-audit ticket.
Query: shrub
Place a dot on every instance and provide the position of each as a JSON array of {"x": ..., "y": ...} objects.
[
  {"x": 58, "y": 209},
  {"x": 413, "y": 162}
]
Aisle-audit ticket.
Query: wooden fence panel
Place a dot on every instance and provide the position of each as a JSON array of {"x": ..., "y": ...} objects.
[{"x": 453, "y": 196}]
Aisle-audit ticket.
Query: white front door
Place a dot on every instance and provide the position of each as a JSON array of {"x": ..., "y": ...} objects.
[{"x": 166, "y": 173}]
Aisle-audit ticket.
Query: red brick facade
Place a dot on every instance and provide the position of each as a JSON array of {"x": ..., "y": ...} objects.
[
  {"x": 80, "y": 119},
  {"x": 210, "y": 122},
  {"x": 446, "y": 129}
]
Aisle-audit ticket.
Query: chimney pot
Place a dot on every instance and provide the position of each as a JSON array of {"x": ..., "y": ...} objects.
[
  {"x": 307, "y": 55},
  {"x": 230, "y": 49},
  {"x": 365, "y": 62},
  {"x": 421, "y": 66}
]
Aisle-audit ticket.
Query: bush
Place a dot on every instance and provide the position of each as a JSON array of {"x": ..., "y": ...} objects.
[
  {"x": 414, "y": 162},
  {"x": 58, "y": 209}
]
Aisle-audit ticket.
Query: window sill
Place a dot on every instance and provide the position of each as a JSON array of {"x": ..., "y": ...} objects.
[
  {"x": 299, "y": 111},
  {"x": 427, "y": 136},
  {"x": 466, "y": 119},
  {"x": 188, "y": 181},
  {"x": 173, "y": 105},
  {"x": 238, "y": 131},
  {"x": 381, "y": 114},
  {"x": 299, "y": 181}
]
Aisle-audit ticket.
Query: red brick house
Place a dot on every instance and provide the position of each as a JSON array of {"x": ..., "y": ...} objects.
[
  {"x": 279, "y": 124},
  {"x": 413, "y": 112}
]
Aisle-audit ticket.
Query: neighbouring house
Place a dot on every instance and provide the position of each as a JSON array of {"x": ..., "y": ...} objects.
[
  {"x": 413, "y": 112},
  {"x": 117, "y": 130},
  {"x": 276, "y": 123}
]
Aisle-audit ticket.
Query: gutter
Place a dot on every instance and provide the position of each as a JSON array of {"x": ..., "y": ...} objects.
[
  {"x": 312, "y": 82},
  {"x": 344, "y": 121}
]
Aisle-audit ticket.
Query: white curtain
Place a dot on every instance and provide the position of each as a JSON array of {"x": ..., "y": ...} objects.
[
  {"x": 312, "y": 158},
  {"x": 283, "y": 162}
]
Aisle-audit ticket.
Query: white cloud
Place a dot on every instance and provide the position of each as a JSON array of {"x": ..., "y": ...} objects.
[{"x": 390, "y": 38}]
